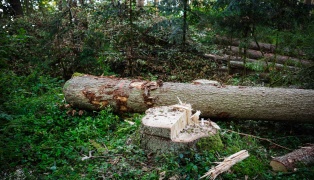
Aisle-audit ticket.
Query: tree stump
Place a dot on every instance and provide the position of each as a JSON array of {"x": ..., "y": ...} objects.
[{"x": 174, "y": 128}]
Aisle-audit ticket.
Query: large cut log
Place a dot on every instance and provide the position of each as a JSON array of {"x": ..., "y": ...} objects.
[
  {"x": 289, "y": 162},
  {"x": 213, "y": 100}
]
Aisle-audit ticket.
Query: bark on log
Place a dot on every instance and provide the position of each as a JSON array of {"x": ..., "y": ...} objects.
[
  {"x": 289, "y": 161},
  {"x": 253, "y": 54},
  {"x": 124, "y": 95}
]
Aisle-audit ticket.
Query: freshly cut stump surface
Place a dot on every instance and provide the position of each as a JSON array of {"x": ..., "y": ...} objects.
[{"x": 173, "y": 127}]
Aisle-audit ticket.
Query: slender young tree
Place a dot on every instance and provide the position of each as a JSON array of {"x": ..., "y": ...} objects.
[{"x": 185, "y": 25}]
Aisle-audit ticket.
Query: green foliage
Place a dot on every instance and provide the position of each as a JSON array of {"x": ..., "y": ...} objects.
[
  {"x": 254, "y": 139},
  {"x": 256, "y": 66},
  {"x": 40, "y": 134},
  {"x": 281, "y": 23},
  {"x": 306, "y": 76},
  {"x": 244, "y": 15},
  {"x": 308, "y": 43},
  {"x": 54, "y": 44}
]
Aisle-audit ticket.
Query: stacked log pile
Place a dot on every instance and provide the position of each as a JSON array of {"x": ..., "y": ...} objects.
[{"x": 262, "y": 54}]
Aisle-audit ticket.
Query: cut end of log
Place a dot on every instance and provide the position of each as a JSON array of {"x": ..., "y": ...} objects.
[
  {"x": 290, "y": 161},
  {"x": 278, "y": 166}
]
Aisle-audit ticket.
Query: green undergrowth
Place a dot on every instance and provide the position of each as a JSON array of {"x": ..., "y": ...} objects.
[{"x": 43, "y": 139}]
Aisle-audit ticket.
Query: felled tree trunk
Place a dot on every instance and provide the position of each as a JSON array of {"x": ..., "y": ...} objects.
[
  {"x": 124, "y": 95},
  {"x": 288, "y": 162}
]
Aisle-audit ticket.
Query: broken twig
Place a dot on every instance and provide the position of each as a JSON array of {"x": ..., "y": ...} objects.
[
  {"x": 263, "y": 139},
  {"x": 226, "y": 164}
]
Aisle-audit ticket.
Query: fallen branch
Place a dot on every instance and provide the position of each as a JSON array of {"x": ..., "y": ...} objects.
[
  {"x": 226, "y": 164},
  {"x": 256, "y": 137},
  {"x": 90, "y": 156}
]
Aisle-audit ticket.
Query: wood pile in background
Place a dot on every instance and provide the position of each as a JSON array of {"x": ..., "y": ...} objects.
[{"x": 261, "y": 54}]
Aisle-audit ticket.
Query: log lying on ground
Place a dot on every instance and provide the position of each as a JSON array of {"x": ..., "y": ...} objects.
[
  {"x": 253, "y": 54},
  {"x": 237, "y": 62},
  {"x": 288, "y": 162},
  {"x": 265, "y": 47},
  {"x": 226, "y": 164},
  {"x": 124, "y": 95}
]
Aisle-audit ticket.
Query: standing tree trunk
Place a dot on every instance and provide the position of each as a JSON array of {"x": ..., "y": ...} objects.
[
  {"x": 260, "y": 103},
  {"x": 140, "y": 3},
  {"x": 17, "y": 7},
  {"x": 129, "y": 50},
  {"x": 185, "y": 26},
  {"x": 60, "y": 5},
  {"x": 82, "y": 2},
  {"x": 156, "y": 3}
]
